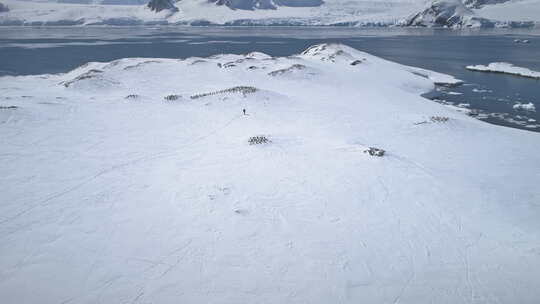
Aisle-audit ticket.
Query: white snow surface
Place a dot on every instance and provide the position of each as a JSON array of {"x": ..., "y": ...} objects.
[
  {"x": 505, "y": 68},
  {"x": 108, "y": 199}
]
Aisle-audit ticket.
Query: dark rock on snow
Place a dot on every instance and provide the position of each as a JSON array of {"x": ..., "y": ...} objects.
[
  {"x": 159, "y": 5},
  {"x": 375, "y": 152}
]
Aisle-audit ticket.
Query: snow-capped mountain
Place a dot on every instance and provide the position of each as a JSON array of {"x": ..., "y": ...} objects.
[
  {"x": 447, "y": 13},
  {"x": 458, "y": 14}
]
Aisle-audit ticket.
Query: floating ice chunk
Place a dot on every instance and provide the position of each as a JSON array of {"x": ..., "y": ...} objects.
[
  {"x": 525, "y": 106},
  {"x": 475, "y": 90},
  {"x": 505, "y": 68}
]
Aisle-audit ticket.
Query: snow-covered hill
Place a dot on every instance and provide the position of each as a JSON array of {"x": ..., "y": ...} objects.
[
  {"x": 134, "y": 181},
  {"x": 449, "y": 13}
]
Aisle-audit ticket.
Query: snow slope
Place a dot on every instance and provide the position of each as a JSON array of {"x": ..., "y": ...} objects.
[{"x": 128, "y": 182}]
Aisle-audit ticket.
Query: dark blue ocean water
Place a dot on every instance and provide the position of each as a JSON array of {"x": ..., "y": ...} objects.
[{"x": 28, "y": 50}]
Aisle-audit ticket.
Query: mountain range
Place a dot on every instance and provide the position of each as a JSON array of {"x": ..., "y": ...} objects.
[{"x": 425, "y": 13}]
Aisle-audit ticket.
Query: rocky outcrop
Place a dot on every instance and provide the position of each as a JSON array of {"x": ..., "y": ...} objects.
[
  {"x": 266, "y": 4},
  {"x": 375, "y": 152},
  {"x": 3, "y": 8},
  {"x": 160, "y": 5}
]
